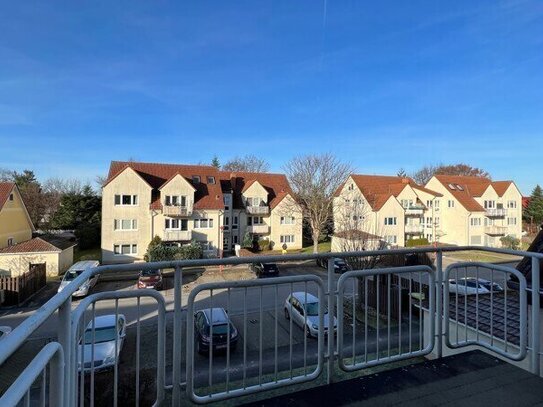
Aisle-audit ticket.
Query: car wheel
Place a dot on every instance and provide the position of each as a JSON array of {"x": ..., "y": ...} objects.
[
  {"x": 287, "y": 315},
  {"x": 308, "y": 332}
]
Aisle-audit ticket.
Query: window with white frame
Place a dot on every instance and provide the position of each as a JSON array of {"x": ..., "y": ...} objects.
[
  {"x": 11, "y": 241},
  {"x": 391, "y": 239},
  {"x": 511, "y": 204},
  {"x": 489, "y": 222},
  {"x": 489, "y": 204},
  {"x": 126, "y": 200},
  {"x": 511, "y": 221},
  {"x": 391, "y": 221},
  {"x": 406, "y": 203},
  {"x": 286, "y": 238},
  {"x": 203, "y": 223},
  {"x": 437, "y": 220},
  {"x": 350, "y": 187},
  {"x": 175, "y": 200},
  {"x": 125, "y": 224},
  {"x": 255, "y": 202},
  {"x": 175, "y": 224},
  {"x": 125, "y": 249},
  {"x": 234, "y": 222},
  {"x": 450, "y": 203},
  {"x": 255, "y": 220},
  {"x": 429, "y": 222},
  {"x": 210, "y": 179},
  {"x": 287, "y": 220},
  {"x": 436, "y": 204},
  {"x": 429, "y": 203},
  {"x": 475, "y": 221}
]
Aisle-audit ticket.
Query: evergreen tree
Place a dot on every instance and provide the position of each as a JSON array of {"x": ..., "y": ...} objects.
[
  {"x": 215, "y": 162},
  {"x": 534, "y": 211}
]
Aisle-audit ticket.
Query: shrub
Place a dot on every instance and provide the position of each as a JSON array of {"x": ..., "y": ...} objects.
[
  {"x": 158, "y": 251},
  {"x": 247, "y": 242},
  {"x": 263, "y": 244},
  {"x": 510, "y": 242},
  {"x": 417, "y": 242}
]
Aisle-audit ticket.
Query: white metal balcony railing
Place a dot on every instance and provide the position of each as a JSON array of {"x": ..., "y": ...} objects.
[
  {"x": 177, "y": 235},
  {"x": 258, "y": 229},
  {"x": 421, "y": 312},
  {"x": 496, "y": 212},
  {"x": 414, "y": 211},
  {"x": 174, "y": 210},
  {"x": 414, "y": 229},
  {"x": 257, "y": 210},
  {"x": 495, "y": 230}
]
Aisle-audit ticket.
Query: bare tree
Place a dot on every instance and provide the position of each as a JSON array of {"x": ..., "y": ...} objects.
[
  {"x": 247, "y": 163},
  {"x": 314, "y": 179},
  {"x": 424, "y": 175}
]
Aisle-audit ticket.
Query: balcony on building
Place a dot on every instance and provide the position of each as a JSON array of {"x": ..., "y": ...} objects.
[
  {"x": 258, "y": 229},
  {"x": 414, "y": 210},
  {"x": 177, "y": 210},
  {"x": 172, "y": 235},
  {"x": 496, "y": 230},
  {"x": 495, "y": 212},
  {"x": 414, "y": 229},
  {"x": 258, "y": 210}
]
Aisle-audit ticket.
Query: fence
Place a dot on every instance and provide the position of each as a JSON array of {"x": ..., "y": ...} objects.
[
  {"x": 19, "y": 289},
  {"x": 285, "y": 349}
]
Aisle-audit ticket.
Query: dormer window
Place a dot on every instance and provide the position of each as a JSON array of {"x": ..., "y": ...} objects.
[
  {"x": 196, "y": 179},
  {"x": 210, "y": 180},
  {"x": 451, "y": 186},
  {"x": 11, "y": 197},
  {"x": 174, "y": 200}
]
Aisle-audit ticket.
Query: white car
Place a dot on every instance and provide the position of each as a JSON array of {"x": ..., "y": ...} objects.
[
  {"x": 107, "y": 329},
  {"x": 472, "y": 285},
  {"x": 296, "y": 308},
  {"x": 4, "y": 331},
  {"x": 75, "y": 271}
]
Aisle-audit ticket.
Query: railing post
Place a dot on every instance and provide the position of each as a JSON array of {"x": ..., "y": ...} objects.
[
  {"x": 536, "y": 369},
  {"x": 64, "y": 339},
  {"x": 177, "y": 334},
  {"x": 331, "y": 308},
  {"x": 439, "y": 305},
  {"x": 57, "y": 384}
]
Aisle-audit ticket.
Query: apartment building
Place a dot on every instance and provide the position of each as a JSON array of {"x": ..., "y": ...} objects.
[
  {"x": 184, "y": 203},
  {"x": 477, "y": 211},
  {"x": 394, "y": 208}
]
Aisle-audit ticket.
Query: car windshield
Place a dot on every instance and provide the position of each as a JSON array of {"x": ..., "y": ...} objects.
[
  {"x": 104, "y": 334},
  {"x": 312, "y": 309},
  {"x": 72, "y": 274},
  {"x": 150, "y": 273},
  {"x": 219, "y": 329}
]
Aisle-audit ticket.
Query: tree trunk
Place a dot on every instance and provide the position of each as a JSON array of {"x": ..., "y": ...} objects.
[{"x": 315, "y": 243}]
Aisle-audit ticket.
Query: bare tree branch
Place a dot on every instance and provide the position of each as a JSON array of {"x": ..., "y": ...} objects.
[{"x": 248, "y": 163}]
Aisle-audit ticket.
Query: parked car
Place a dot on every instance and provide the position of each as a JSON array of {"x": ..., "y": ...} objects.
[
  {"x": 4, "y": 331},
  {"x": 214, "y": 321},
  {"x": 107, "y": 330},
  {"x": 472, "y": 285},
  {"x": 150, "y": 279},
  {"x": 340, "y": 265},
  {"x": 265, "y": 269},
  {"x": 74, "y": 271},
  {"x": 300, "y": 303}
]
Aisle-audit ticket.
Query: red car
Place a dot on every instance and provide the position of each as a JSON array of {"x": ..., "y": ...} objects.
[{"x": 150, "y": 279}]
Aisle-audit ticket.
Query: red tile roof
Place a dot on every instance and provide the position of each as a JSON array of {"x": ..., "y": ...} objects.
[
  {"x": 37, "y": 245},
  {"x": 5, "y": 191},
  {"x": 207, "y": 196},
  {"x": 471, "y": 187},
  {"x": 378, "y": 189}
]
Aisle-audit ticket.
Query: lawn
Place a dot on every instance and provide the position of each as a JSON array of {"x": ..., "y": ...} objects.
[
  {"x": 94, "y": 253},
  {"x": 485, "y": 257},
  {"x": 323, "y": 247}
]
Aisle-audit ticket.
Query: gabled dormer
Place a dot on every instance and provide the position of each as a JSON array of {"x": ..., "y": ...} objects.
[
  {"x": 255, "y": 198},
  {"x": 177, "y": 196}
]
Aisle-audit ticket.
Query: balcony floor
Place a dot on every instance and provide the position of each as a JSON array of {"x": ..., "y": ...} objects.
[{"x": 467, "y": 379}]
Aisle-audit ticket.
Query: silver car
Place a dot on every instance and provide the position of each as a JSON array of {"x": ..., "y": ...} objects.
[
  {"x": 75, "y": 271},
  {"x": 107, "y": 330},
  {"x": 303, "y": 308},
  {"x": 472, "y": 285}
]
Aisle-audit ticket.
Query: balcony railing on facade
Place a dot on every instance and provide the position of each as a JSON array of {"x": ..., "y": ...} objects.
[
  {"x": 257, "y": 210},
  {"x": 414, "y": 229},
  {"x": 496, "y": 230},
  {"x": 259, "y": 229},
  {"x": 414, "y": 210},
  {"x": 171, "y": 235},
  {"x": 495, "y": 212},
  {"x": 175, "y": 210}
]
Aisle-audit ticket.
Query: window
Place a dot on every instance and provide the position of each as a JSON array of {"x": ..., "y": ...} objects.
[
  {"x": 451, "y": 203},
  {"x": 235, "y": 239},
  {"x": 489, "y": 204},
  {"x": 287, "y": 220},
  {"x": 11, "y": 197},
  {"x": 227, "y": 200},
  {"x": 406, "y": 203},
  {"x": 125, "y": 224},
  {"x": 429, "y": 222},
  {"x": 125, "y": 249},
  {"x": 235, "y": 222},
  {"x": 391, "y": 239},
  {"x": 287, "y": 238},
  {"x": 175, "y": 200},
  {"x": 350, "y": 187},
  {"x": 255, "y": 220},
  {"x": 176, "y": 224},
  {"x": 203, "y": 223},
  {"x": 210, "y": 180},
  {"x": 226, "y": 221},
  {"x": 451, "y": 186},
  {"x": 511, "y": 221},
  {"x": 512, "y": 204},
  {"x": 429, "y": 203},
  {"x": 437, "y": 221},
  {"x": 126, "y": 200},
  {"x": 390, "y": 221},
  {"x": 11, "y": 241},
  {"x": 196, "y": 179},
  {"x": 475, "y": 221}
]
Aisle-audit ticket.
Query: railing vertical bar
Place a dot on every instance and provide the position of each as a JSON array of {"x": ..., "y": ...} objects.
[
  {"x": 93, "y": 341},
  {"x": 228, "y": 343},
  {"x": 331, "y": 312},
  {"x": 410, "y": 312},
  {"x": 290, "y": 333},
  {"x": 178, "y": 336},
  {"x": 536, "y": 288},
  {"x": 491, "y": 307},
  {"x": 466, "y": 307},
  {"x": 43, "y": 386},
  {"x": 399, "y": 314},
  {"x": 82, "y": 370},
  {"x": 210, "y": 350},
  {"x": 115, "y": 366},
  {"x": 354, "y": 321},
  {"x": 505, "y": 311},
  {"x": 456, "y": 315},
  {"x": 307, "y": 327},
  {"x": 65, "y": 340},
  {"x": 138, "y": 343},
  {"x": 26, "y": 399},
  {"x": 260, "y": 339},
  {"x": 365, "y": 319},
  {"x": 276, "y": 354},
  {"x": 439, "y": 305},
  {"x": 421, "y": 337},
  {"x": 245, "y": 338},
  {"x": 477, "y": 304},
  {"x": 378, "y": 286},
  {"x": 388, "y": 313}
]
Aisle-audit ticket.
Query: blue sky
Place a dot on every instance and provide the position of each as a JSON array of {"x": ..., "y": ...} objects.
[{"x": 383, "y": 85}]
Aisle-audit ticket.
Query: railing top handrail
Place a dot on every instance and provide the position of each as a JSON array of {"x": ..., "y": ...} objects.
[{"x": 12, "y": 342}]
